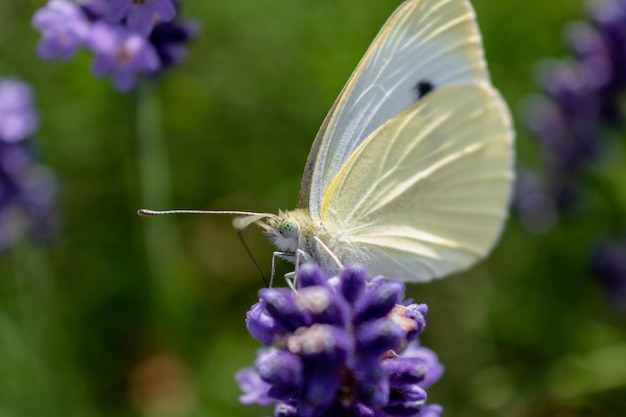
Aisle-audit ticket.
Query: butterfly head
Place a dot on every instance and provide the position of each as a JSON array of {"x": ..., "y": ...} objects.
[{"x": 284, "y": 231}]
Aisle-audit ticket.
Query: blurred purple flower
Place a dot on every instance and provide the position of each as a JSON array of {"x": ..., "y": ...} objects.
[
  {"x": 27, "y": 189},
  {"x": 64, "y": 28},
  {"x": 608, "y": 262},
  {"x": 170, "y": 40},
  {"x": 27, "y": 196},
  {"x": 572, "y": 121},
  {"x": 536, "y": 207},
  {"x": 342, "y": 346},
  {"x": 121, "y": 54},
  {"x": 18, "y": 119},
  {"x": 141, "y": 15},
  {"x": 581, "y": 99},
  {"x": 609, "y": 17},
  {"x": 145, "y": 41}
]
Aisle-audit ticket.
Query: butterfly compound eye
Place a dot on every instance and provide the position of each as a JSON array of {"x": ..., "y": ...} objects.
[{"x": 289, "y": 228}]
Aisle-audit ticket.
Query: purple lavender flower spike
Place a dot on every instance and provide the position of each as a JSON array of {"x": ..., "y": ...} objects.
[
  {"x": 64, "y": 28},
  {"x": 18, "y": 119},
  {"x": 582, "y": 98},
  {"x": 141, "y": 15},
  {"x": 121, "y": 54},
  {"x": 340, "y": 349},
  {"x": 573, "y": 121},
  {"x": 27, "y": 189}
]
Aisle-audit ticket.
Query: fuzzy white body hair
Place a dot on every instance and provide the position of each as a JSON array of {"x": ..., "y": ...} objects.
[{"x": 305, "y": 240}]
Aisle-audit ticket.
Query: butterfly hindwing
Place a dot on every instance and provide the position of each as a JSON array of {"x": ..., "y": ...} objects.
[{"x": 426, "y": 194}]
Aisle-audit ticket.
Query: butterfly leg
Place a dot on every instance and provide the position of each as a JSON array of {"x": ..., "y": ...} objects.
[
  {"x": 329, "y": 252},
  {"x": 301, "y": 257},
  {"x": 287, "y": 256}
]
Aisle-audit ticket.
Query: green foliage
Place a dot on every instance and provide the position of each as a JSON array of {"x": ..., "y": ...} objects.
[{"x": 89, "y": 327}]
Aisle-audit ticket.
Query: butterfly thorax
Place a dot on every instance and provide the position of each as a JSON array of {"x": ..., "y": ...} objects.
[{"x": 296, "y": 230}]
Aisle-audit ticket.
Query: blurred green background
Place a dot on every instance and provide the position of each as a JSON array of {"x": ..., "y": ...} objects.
[{"x": 127, "y": 316}]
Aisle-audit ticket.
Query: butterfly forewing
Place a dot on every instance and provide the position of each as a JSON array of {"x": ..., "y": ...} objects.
[
  {"x": 427, "y": 193},
  {"x": 425, "y": 46}
]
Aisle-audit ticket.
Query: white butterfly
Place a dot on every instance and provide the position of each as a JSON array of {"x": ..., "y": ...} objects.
[{"x": 411, "y": 172}]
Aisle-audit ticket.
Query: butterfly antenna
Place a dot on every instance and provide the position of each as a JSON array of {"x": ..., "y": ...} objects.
[
  {"x": 256, "y": 264},
  {"x": 148, "y": 213}
]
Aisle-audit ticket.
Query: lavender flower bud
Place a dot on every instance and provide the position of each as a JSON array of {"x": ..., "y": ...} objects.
[
  {"x": 403, "y": 371},
  {"x": 322, "y": 305},
  {"x": 353, "y": 283},
  {"x": 282, "y": 307},
  {"x": 282, "y": 370},
  {"x": 261, "y": 324},
  {"x": 309, "y": 275},
  {"x": 378, "y": 303},
  {"x": 376, "y": 337}
]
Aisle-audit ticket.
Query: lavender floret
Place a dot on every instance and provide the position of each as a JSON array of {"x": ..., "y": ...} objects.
[
  {"x": 121, "y": 54},
  {"x": 64, "y": 28}
]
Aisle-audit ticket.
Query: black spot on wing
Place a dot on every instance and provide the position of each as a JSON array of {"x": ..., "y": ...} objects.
[{"x": 424, "y": 87}]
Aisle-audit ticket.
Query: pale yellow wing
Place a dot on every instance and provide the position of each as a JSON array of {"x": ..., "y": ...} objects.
[
  {"x": 424, "y": 46},
  {"x": 427, "y": 193}
]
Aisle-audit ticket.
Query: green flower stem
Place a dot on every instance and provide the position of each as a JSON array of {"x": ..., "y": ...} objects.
[{"x": 166, "y": 263}]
